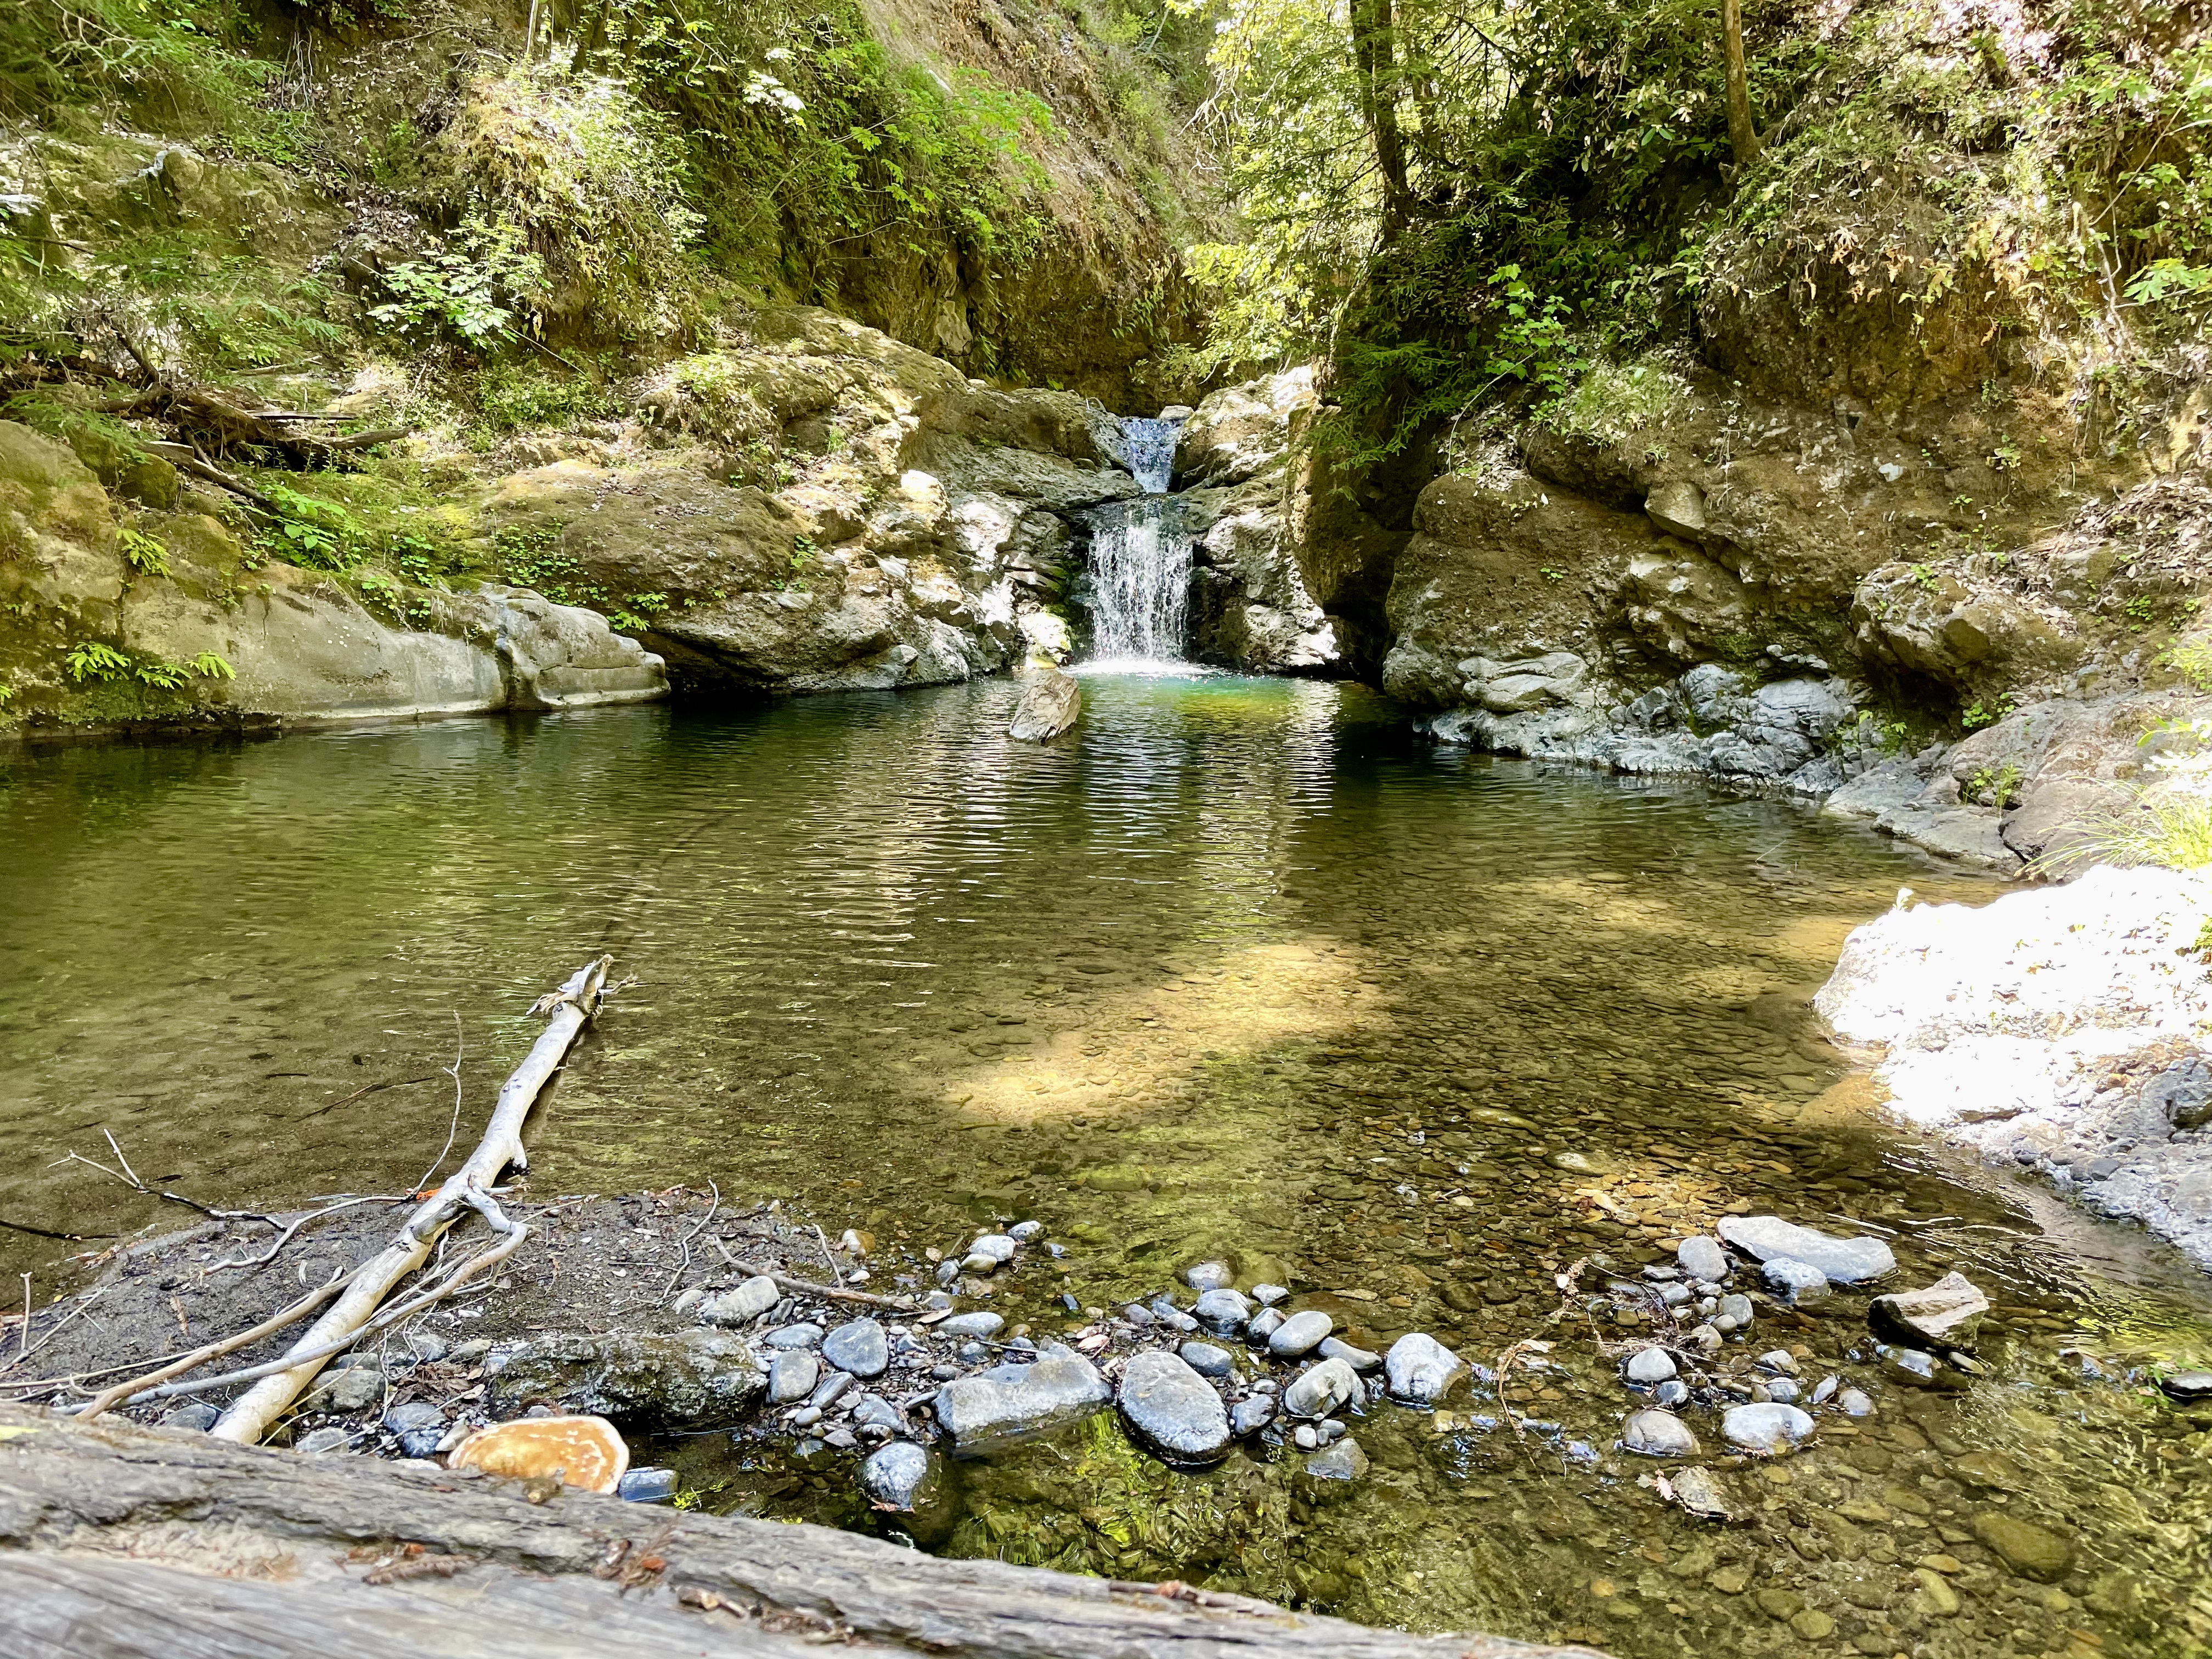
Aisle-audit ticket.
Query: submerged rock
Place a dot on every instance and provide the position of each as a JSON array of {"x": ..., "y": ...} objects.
[
  {"x": 1658, "y": 1434},
  {"x": 1341, "y": 1460},
  {"x": 1846, "y": 1260},
  {"x": 1795, "y": 1282},
  {"x": 2031, "y": 1551},
  {"x": 1050, "y": 705},
  {"x": 1700, "y": 1492},
  {"x": 1769, "y": 1428},
  {"x": 1009, "y": 1404},
  {"x": 1420, "y": 1371},
  {"x": 1947, "y": 1315},
  {"x": 1172, "y": 1408},
  {"x": 894, "y": 1476}
]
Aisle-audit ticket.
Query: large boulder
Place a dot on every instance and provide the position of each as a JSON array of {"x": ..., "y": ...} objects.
[
  {"x": 679, "y": 1381},
  {"x": 1010, "y": 1404}
]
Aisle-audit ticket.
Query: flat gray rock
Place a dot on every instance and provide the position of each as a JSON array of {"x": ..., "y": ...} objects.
[
  {"x": 1795, "y": 1282},
  {"x": 1702, "y": 1258},
  {"x": 1321, "y": 1388},
  {"x": 1846, "y": 1260},
  {"x": 1250, "y": 1416},
  {"x": 1767, "y": 1428},
  {"x": 970, "y": 1327},
  {"x": 792, "y": 1376},
  {"x": 1343, "y": 1461},
  {"x": 1172, "y": 1409},
  {"x": 806, "y": 1335},
  {"x": 748, "y": 1302},
  {"x": 1206, "y": 1360},
  {"x": 1301, "y": 1333},
  {"x": 1658, "y": 1434},
  {"x": 1268, "y": 1295},
  {"x": 1420, "y": 1371},
  {"x": 1947, "y": 1315},
  {"x": 1360, "y": 1359},
  {"x": 1010, "y": 1404},
  {"x": 1649, "y": 1365},
  {"x": 860, "y": 1347},
  {"x": 1221, "y": 1310}
]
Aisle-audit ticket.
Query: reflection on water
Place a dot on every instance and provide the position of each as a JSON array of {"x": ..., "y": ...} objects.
[{"x": 1238, "y": 971}]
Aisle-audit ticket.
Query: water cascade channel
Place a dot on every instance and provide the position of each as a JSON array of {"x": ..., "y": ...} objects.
[{"x": 1140, "y": 558}]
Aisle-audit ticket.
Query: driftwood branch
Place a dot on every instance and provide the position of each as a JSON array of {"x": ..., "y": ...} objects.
[
  {"x": 348, "y": 1558},
  {"x": 808, "y": 1287},
  {"x": 570, "y": 1008}
]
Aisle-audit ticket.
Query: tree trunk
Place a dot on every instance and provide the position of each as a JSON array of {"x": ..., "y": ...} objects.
[
  {"x": 132, "y": 1543},
  {"x": 1375, "y": 59},
  {"x": 1743, "y": 137}
]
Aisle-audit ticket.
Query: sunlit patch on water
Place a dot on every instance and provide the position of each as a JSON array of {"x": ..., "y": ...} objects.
[{"x": 1237, "y": 970}]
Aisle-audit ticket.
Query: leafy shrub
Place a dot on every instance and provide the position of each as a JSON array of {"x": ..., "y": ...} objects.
[{"x": 471, "y": 288}]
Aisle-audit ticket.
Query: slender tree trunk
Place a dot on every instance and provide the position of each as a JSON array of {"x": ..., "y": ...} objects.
[
  {"x": 1375, "y": 57},
  {"x": 1743, "y": 137}
]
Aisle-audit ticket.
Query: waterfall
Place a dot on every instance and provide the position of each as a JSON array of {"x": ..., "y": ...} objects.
[{"x": 1140, "y": 558}]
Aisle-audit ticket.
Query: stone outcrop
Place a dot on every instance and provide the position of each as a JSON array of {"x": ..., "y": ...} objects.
[{"x": 2059, "y": 1029}]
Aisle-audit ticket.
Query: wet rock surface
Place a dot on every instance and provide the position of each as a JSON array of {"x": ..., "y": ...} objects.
[
  {"x": 1172, "y": 1408},
  {"x": 1845, "y": 1260}
]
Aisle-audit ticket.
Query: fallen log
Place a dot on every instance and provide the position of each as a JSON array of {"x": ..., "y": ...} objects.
[
  {"x": 133, "y": 1543},
  {"x": 570, "y": 1008}
]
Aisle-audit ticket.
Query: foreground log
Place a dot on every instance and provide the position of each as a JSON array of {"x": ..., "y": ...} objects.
[
  {"x": 248, "y": 1416},
  {"x": 132, "y": 1543}
]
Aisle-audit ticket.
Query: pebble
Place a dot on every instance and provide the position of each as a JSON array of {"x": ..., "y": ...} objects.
[
  {"x": 1782, "y": 1390},
  {"x": 1321, "y": 1388},
  {"x": 1138, "y": 1314},
  {"x": 1250, "y": 1416},
  {"x": 1305, "y": 1436},
  {"x": 1223, "y": 1310},
  {"x": 1342, "y": 1461},
  {"x": 842, "y": 1439},
  {"x": 1672, "y": 1393},
  {"x": 1824, "y": 1389},
  {"x": 795, "y": 1336},
  {"x": 648, "y": 1486},
  {"x": 319, "y": 1441},
  {"x": 1649, "y": 1365},
  {"x": 1022, "y": 1231},
  {"x": 1736, "y": 1306},
  {"x": 1268, "y": 1295},
  {"x": 1360, "y": 1359},
  {"x": 1206, "y": 1360},
  {"x": 1658, "y": 1434},
  {"x": 2032, "y": 1551},
  {"x": 1174, "y": 1318},
  {"x": 893, "y": 1476},
  {"x": 1795, "y": 1282},
  {"x": 806, "y": 1417},
  {"x": 792, "y": 1376},
  {"x": 1780, "y": 1361},
  {"x": 1702, "y": 1258},
  {"x": 1209, "y": 1276},
  {"x": 872, "y": 1409},
  {"x": 748, "y": 1302},
  {"x": 1420, "y": 1371},
  {"x": 830, "y": 1389},
  {"x": 1265, "y": 1323},
  {"x": 998, "y": 1248},
  {"x": 1767, "y": 1428},
  {"x": 970, "y": 1327},
  {"x": 1172, "y": 1408},
  {"x": 860, "y": 1347},
  {"x": 1846, "y": 1260},
  {"x": 1301, "y": 1333},
  {"x": 200, "y": 1417},
  {"x": 1705, "y": 1340}
]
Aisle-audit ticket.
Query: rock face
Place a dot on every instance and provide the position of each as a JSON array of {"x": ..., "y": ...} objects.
[
  {"x": 1051, "y": 704},
  {"x": 1172, "y": 1408},
  {"x": 1948, "y": 1314},
  {"x": 2058, "y": 1029},
  {"x": 660, "y": 1382},
  {"x": 1846, "y": 1260},
  {"x": 1010, "y": 1404}
]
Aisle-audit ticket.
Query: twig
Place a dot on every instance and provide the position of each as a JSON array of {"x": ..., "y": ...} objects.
[
  {"x": 454, "y": 1128},
  {"x": 372, "y": 1088},
  {"x": 52, "y": 1333},
  {"x": 685, "y": 1265},
  {"x": 285, "y": 1237},
  {"x": 41, "y": 1232},
  {"x": 133, "y": 1180},
  {"x": 183, "y": 1363},
  {"x": 836, "y": 1293},
  {"x": 23, "y": 1350},
  {"x": 826, "y": 1255}
]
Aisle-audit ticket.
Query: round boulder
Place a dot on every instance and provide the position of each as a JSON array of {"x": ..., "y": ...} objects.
[{"x": 1172, "y": 1408}]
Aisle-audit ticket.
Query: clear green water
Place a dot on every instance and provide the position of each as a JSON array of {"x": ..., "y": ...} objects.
[{"x": 1240, "y": 971}]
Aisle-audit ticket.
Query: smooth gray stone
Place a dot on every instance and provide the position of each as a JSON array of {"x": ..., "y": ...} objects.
[
  {"x": 1737, "y": 1306},
  {"x": 970, "y": 1327},
  {"x": 1782, "y": 1390},
  {"x": 1420, "y": 1371},
  {"x": 748, "y": 1302},
  {"x": 1250, "y": 1416},
  {"x": 1305, "y": 1436},
  {"x": 648, "y": 1486},
  {"x": 997, "y": 1248},
  {"x": 318, "y": 1443},
  {"x": 1268, "y": 1295},
  {"x": 1658, "y": 1433},
  {"x": 1796, "y": 1282},
  {"x": 1824, "y": 1389},
  {"x": 860, "y": 1347},
  {"x": 1321, "y": 1388},
  {"x": 199, "y": 1416},
  {"x": 1649, "y": 1365},
  {"x": 1767, "y": 1428},
  {"x": 792, "y": 1377},
  {"x": 1206, "y": 1360},
  {"x": 1221, "y": 1310},
  {"x": 830, "y": 1389},
  {"x": 1947, "y": 1315},
  {"x": 1672, "y": 1392},
  {"x": 1343, "y": 1461},
  {"x": 1138, "y": 1315},
  {"x": 1009, "y": 1404},
  {"x": 1172, "y": 1316},
  {"x": 1360, "y": 1359},
  {"x": 894, "y": 1475},
  {"x": 1780, "y": 1361},
  {"x": 1702, "y": 1258},
  {"x": 1845, "y": 1260},
  {"x": 1022, "y": 1231},
  {"x": 2187, "y": 1385},
  {"x": 1209, "y": 1276},
  {"x": 1301, "y": 1333},
  {"x": 874, "y": 1408},
  {"x": 1855, "y": 1403},
  {"x": 1172, "y": 1409},
  {"x": 795, "y": 1336},
  {"x": 1265, "y": 1323}
]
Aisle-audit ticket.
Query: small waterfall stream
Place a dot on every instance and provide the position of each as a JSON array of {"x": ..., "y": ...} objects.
[{"x": 1140, "y": 558}]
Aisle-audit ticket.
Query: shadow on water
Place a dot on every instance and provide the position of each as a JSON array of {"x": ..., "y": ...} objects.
[{"x": 1238, "y": 971}]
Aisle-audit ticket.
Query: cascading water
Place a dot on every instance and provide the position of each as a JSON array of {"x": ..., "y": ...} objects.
[{"x": 1140, "y": 558}]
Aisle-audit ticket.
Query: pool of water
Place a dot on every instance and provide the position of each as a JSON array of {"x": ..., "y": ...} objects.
[{"x": 1241, "y": 970}]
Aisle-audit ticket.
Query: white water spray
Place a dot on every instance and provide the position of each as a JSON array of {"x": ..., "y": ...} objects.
[{"x": 1140, "y": 561}]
